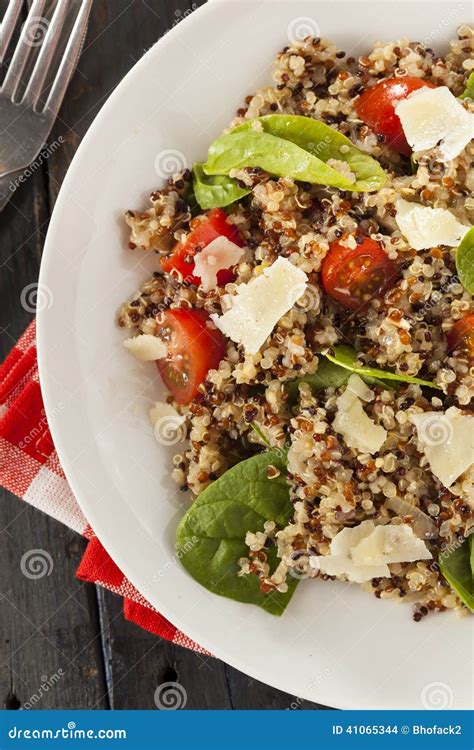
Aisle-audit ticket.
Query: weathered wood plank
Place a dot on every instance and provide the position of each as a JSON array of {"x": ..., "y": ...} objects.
[
  {"x": 249, "y": 694},
  {"x": 139, "y": 665},
  {"x": 49, "y": 645},
  {"x": 49, "y": 626}
]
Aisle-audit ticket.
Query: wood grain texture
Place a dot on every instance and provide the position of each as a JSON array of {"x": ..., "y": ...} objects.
[
  {"x": 50, "y": 646},
  {"x": 57, "y": 625}
]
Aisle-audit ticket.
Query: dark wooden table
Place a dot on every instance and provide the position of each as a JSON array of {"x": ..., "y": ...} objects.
[{"x": 57, "y": 625}]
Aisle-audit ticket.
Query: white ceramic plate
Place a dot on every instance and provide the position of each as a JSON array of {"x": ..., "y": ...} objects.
[{"x": 334, "y": 645}]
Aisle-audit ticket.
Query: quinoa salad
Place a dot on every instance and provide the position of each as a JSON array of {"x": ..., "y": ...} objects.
[{"x": 312, "y": 319}]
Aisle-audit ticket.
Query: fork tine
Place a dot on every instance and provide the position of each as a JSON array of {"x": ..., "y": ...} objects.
[
  {"x": 7, "y": 27},
  {"x": 70, "y": 57},
  {"x": 23, "y": 48},
  {"x": 45, "y": 57}
]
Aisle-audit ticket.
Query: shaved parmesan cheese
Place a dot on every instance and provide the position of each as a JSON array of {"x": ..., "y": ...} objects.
[
  {"x": 146, "y": 347},
  {"x": 434, "y": 116},
  {"x": 168, "y": 424},
  {"x": 426, "y": 227},
  {"x": 365, "y": 551},
  {"x": 350, "y": 537},
  {"x": 220, "y": 254},
  {"x": 447, "y": 440},
  {"x": 258, "y": 306},
  {"x": 390, "y": 544},
  {"x": 341, "y": 566},
  {"x": 340, "y": 563},
  {"x": 360, "y": 389},
  {"x": 358, "y": 430}
]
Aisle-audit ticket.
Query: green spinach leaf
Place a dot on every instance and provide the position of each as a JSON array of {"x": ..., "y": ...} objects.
[
  {"x": 333, "y": 374},
  {"x": 328, "y": 375},
  {"x": 344, "y": 357},
  {"x": 217, "y": 191},
  {"x": 458, "y": 569},
  {"x": 469, "y": 90},
  {"x": 324, "y": 143},
  {"x": 297, "y": 147},
  {"x": 465, "y": 261},
  {"x": 210, "y": 538}
]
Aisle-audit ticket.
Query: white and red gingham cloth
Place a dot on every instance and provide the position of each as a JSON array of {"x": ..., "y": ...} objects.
[{"x": 30, "y": 468}]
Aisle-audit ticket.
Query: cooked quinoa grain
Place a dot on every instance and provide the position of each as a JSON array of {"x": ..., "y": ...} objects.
[{"x": 404, "y": 330}]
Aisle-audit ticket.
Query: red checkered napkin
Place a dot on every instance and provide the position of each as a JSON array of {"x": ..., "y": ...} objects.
[{"x": 30, "y": 468}]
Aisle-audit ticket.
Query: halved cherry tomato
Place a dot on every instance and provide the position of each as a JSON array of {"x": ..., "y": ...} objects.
[
  {"x": 376, "y": 107},
  {"x": 181, "y": 259},
  {"x": 193, "y": 349},
  {"x": 354, "y": 276},
  {"x": 461, "y": 337}
]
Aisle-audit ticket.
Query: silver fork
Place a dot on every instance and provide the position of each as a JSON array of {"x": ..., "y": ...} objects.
[{"x": 25, "y": 124}]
